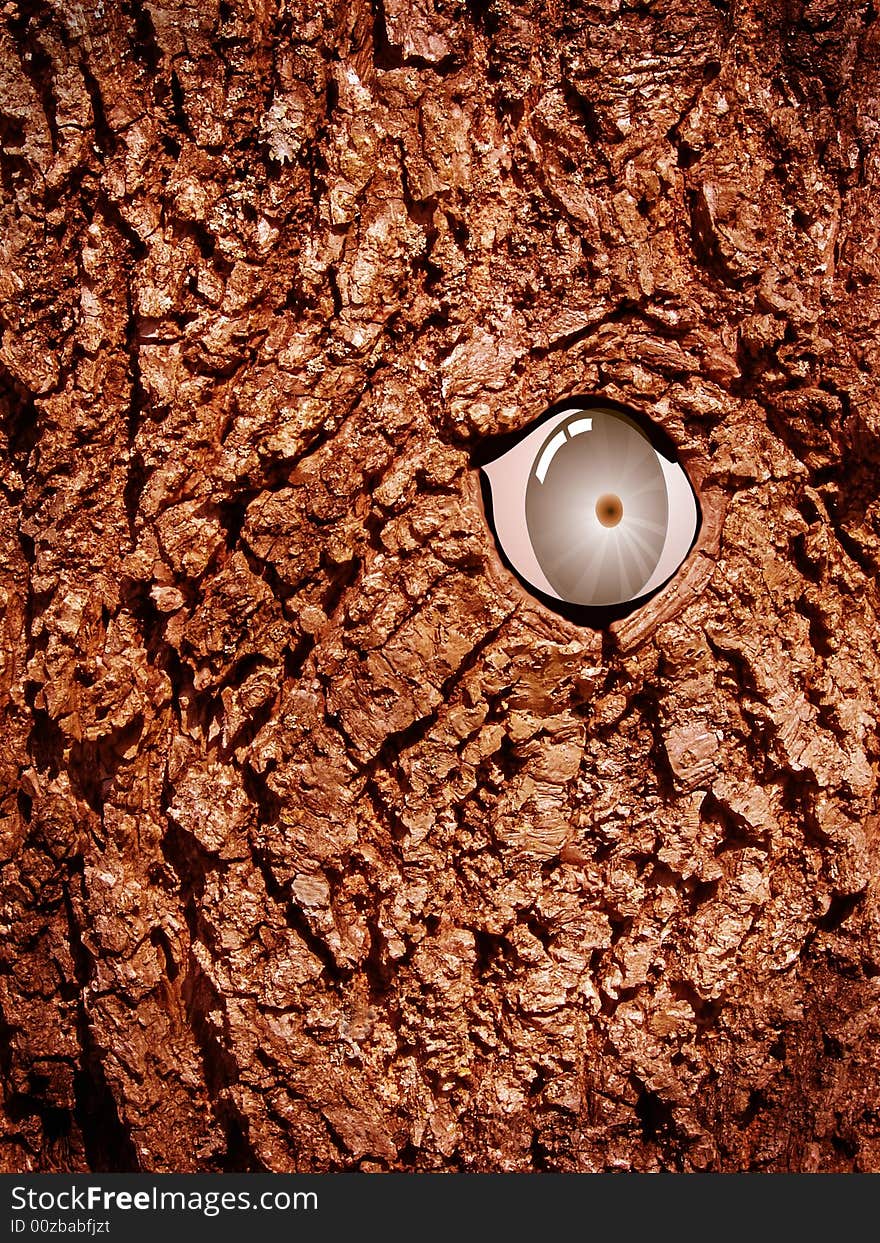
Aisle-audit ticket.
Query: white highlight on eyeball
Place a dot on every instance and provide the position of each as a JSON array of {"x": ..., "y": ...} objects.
[{"x": 549, "y": 454}]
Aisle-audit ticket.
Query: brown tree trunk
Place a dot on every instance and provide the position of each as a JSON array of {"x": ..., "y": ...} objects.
[{"x": 324, "y": 845}]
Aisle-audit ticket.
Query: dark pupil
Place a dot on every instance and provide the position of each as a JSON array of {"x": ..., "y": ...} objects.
[{"x": 596, "y": 508}]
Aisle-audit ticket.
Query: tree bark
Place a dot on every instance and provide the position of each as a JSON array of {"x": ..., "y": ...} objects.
[{"x": 324, "y": 845}]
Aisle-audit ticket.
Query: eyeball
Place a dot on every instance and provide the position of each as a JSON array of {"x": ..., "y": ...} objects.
[{"x": 591, "y": 508}]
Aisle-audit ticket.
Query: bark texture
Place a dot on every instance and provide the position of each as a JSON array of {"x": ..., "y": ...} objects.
[{"x": 323, "y": 845}]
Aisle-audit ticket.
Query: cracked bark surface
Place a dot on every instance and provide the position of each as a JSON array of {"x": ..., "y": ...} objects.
[{"x": 323, "y": 845}]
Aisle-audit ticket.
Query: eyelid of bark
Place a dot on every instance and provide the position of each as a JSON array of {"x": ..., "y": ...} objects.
[{"x": 688, "y": 581}]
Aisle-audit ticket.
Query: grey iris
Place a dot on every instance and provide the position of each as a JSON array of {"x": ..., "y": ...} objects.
[{"x": 596, "y": 508}]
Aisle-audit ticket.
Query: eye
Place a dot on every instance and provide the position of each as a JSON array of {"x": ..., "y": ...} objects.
[{"x": 591, "y": 507}]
